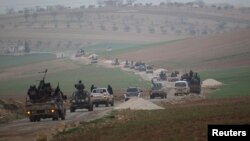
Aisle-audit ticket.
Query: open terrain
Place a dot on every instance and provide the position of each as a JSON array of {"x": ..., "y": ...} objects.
[
  {"x": 214, "y": 42},
  {"x": 204, "y": 53},
  {"x": 176, "y": 122}
]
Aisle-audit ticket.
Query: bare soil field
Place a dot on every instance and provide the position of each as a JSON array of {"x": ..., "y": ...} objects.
[{"x": 224, "y": 50}]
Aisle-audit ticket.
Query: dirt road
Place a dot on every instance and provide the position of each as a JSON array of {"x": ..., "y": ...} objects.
[{"x": 24, "y": 130}]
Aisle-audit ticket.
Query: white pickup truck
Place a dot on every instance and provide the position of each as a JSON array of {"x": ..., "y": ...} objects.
[{"x": 102, "y": 96}]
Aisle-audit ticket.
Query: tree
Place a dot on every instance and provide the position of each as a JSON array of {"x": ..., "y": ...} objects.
[
  {"x": 103, "y": 27},
  {"x": 79, "y": 15},
  {"x": 54, "y": 14},
  {"x": 26, "y": 47},
  {"x": 131, "y": 2},
  {"x": 34, "y": 16},
  {"x": 114, "y": 28},
  {"x": 26, "y": 16},
  {"x": 126, "y": 28}
]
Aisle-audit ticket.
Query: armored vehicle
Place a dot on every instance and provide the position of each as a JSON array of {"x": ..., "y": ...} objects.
[
  {"x": 45, "y": 102},
  {"x": 81, "y": 100}
]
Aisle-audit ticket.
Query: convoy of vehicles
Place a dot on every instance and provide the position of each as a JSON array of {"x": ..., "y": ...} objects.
[{"x": 45, "y": 102}]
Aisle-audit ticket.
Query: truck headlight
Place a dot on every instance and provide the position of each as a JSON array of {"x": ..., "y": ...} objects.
[
  {"x": 28, "y": 112},
  {"x": 73, "y": 101},
  {"x": 52, "y": 110}
]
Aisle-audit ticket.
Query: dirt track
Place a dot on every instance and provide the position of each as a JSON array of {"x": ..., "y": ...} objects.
[{"x": 23, "y": 130}]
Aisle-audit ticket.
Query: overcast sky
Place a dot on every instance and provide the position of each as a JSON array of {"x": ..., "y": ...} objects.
[{"x": 20, "y": 4}]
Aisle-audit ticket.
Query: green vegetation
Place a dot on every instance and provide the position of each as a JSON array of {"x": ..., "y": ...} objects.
[
  {"x": 235, "y": 80},
  {"x": 120, "y": 48},
  {"x": 99, "y": 76},
  {"x": 13, "y": 61},
  {"x": 175, "y": 123},
  {"x": 89, "y": 74}
]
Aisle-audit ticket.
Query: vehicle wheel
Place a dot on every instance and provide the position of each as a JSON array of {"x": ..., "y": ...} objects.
[
  {"x": 38, "y": 119},
  {"x": 63, "y": 117},
  {"x": 165, "y": 96},
  {"x": 112, "y": 103},
  {"x": 96, "y": 105},
  {"x": 151, "y": 97},
  {"x": 72, "y": 109},
  {"x": 54, "y": 118},
  {"x": 107, "y": 104},
  {"x": 91, "y": 108},
  {"x": 31, "y": 119}
]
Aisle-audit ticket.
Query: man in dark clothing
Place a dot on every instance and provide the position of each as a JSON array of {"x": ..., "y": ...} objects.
[
  {"x": 110, "y": 90},
  {"x": 92, "y": 87},
  {"x": 80, "y": 86},
  {"x": 33, "y": 93}
]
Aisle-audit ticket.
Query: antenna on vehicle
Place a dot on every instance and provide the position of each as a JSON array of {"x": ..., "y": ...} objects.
[{"x": 45, "y": 72}]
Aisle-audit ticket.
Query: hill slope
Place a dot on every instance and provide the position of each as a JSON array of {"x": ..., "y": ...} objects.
[{"x": 223, "y": 50}]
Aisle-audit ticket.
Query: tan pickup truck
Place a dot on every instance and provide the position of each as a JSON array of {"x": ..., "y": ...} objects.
[{"x": 102, "y": 96}]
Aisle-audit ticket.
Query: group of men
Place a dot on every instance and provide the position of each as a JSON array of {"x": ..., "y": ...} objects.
[
  {"x": 80, "y": 87},
  {"x": 43, "y": 92}
]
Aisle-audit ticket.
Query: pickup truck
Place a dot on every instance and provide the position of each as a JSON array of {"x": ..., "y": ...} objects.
[
  {"x": 80, "y": 100},
  {"x": 181, "y": 87},
  {"x": 132, "y": 92},
  {"x": 102, "y": 96},
  {"x": 52, "y": 108},
  {"x": 158, "y": 91}
]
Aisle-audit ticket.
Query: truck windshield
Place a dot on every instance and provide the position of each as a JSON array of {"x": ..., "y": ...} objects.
[
  {"x": 182, "y": 84},
  {"x": 129, "y": 90},
  {"x": 99, "y": 91}
]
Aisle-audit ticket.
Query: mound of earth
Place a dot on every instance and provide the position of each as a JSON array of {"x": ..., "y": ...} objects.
[
  {"x": 10, "y": 109},
  {"x": 138, "y": 104},
  {"x": 211, "y": 83}
]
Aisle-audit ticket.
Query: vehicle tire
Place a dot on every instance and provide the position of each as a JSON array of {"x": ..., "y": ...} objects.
[
  {"x": 38, "y": 119},
  {"x": 55, "y": 118},
  {"x": 63, "y": 117},
  {"x": 112, "y": 103},
  {"x": 72, "y": 109},
  {"x": 96, "y": 105},
  {"x": 91, "y": 107},
  {"x": 151, "y": 97},
  {"x": 107, "y": 104},
  {"x": 31, "y": 119}
]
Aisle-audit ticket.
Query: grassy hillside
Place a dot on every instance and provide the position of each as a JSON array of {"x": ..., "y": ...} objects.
[
  {"x": 235, "y": 80},
  {"x": 11, "y": 61},
  {"x": 89, "y": 74},
  {"x": 120, "y": 48}
]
